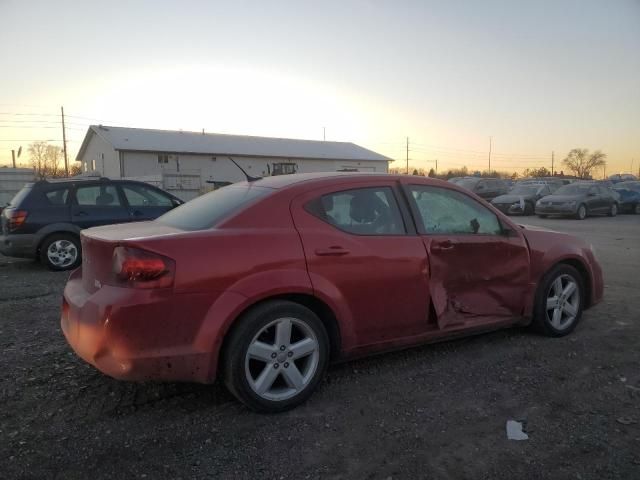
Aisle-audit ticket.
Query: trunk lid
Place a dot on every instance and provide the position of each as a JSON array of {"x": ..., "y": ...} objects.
[{"x": 98, "y": 244}]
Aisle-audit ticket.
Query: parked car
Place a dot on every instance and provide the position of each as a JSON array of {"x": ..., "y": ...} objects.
[
  {"x": 521, "y": 200},
  {"x": 629, "y": 193},
  {"x": 622, "y": 177},
  {"x": 44, "y": 219},
  {"x": 486, "y": 188},
  {"x": 264, "y": 283},
  {"x": 579, "y": 199}
]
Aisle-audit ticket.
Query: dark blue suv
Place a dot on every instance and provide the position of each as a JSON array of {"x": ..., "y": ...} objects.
[{"x": 44, "y": 219}]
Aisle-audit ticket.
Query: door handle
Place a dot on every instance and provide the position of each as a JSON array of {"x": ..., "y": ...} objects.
[
  {"x": 81, "y": 213},
  {"x": 443, "y": 246},
  {"x": 334, "y": 251}
]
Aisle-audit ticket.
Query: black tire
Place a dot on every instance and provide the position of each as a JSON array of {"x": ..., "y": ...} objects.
[
  {"x": 582, "y": 212},
  {"x": 528, "y": 209},
  {"x": 240, "y": 338},
  {"x": 64, "y": 238},
  {"x": 541, "y": 321},
  {"x": 613, "y": 210}
]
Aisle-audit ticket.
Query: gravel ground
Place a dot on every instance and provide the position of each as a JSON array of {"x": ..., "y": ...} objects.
[{"x": 437, "y": 411}]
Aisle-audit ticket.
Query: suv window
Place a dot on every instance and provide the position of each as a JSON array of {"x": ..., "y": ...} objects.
[
  {"x": 207, "y": 210},
  {"x": 445, "y": 211},
  {"x": 58, "y": 196},
  {"x": 98, "y": 195},
  {"x": 362, "y": 211},
  {"x": 142, "y": 196}
]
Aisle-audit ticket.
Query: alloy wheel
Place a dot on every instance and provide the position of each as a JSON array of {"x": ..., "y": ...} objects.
[
  {"x": 563, "y": 302},
  {"x": 62, "y": 253},
  {"x": 282, "y": 359}
]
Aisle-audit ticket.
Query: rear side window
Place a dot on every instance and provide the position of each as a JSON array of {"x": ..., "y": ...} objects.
[
  {"x": 98, "y": 195},
  {"x": 20, "y": 196},
  {"x": 362, "y": 211},
  {"x": 206, "y": 211},
  {"x": 58, "y": 196}
]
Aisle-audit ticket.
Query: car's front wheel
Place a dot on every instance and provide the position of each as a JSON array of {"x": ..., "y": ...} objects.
[
  {"x": 559, "y": 301},
  {"x": 613, "y": 210},
  {"x": 581, "y": 213},
  {"x": 276, "y": 356},
  {"x": 61, "y": 251}
]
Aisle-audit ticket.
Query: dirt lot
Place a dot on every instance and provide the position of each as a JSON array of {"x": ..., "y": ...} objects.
[{"x": 437, "y": 411}]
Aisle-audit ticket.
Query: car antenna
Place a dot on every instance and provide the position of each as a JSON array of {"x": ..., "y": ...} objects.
[{"x": 249, "y": 177}]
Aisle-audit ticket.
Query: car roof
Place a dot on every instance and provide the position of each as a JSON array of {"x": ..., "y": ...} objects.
[{"x": 323, "y": 178}]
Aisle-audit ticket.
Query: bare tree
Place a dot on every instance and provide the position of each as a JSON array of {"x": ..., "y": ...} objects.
[
  {"x": 581, "y": 163},
  {"x": 45, "y": 160}
]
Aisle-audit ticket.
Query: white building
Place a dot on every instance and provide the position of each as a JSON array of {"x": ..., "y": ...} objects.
[{"x": 193, "y": 162}]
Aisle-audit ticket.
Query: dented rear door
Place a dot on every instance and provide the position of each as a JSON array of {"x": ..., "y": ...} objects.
[{"x": 479, "y": 272}]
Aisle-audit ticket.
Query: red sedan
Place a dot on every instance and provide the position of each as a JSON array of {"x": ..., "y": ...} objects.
[{"x": 264, "y": 283}]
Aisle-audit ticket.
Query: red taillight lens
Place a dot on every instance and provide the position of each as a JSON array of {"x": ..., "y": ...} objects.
[
  {"x": 142, "y": 269},
  {"x": 16, "y": 218}
]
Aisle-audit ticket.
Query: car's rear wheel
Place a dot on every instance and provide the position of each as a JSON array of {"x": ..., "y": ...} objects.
[
  {"x": 276, "y": 356},
  {"x": 581, "y": 213},
  {"x": 613, "y": 210},
  {"x": 559, "y": 301},
  {"x": 61, "y": 251}
]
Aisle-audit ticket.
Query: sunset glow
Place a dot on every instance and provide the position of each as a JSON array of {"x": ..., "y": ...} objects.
[{"x": 535, "y": 77}]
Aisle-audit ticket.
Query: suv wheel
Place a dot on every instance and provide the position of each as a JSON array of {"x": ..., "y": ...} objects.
[
  {"x": 276, "y": 356},
  {"x": 613, "y": 211},
  {"x": 581, "y": 214},
  {"x": 61, "y": 251}
]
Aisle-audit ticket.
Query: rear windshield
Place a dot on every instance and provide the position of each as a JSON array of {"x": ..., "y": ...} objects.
[
  {"x": 467, "y": 182},
  {"x": 20, "y": 196},
  {"x": 206, "y": 211}
]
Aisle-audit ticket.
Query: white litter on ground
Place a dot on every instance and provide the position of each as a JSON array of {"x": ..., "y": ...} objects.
[{"x": 514, "y": 431}]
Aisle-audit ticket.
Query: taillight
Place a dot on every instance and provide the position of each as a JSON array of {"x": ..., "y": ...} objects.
[
  {"x": 142, "y": 269},
  {"x": 16, "y": 218}
]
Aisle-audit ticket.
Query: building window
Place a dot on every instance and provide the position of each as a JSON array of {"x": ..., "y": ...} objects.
[
  {"x": 93, "y": 164},
  {"x": 284, "y": 168},
  {"x": 163, "y": 159}
]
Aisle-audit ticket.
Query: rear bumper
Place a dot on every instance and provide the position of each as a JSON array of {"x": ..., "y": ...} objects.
[
  {"x": 134, "y": 334},
  {"x": 18, "y": 245}
]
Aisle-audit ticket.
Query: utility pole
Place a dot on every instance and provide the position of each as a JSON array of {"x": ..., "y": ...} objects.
[
  {"x": 64, "y": 145},
  {"x": 407, "y": 155},
  {"x": 552, "y": 159},
  {"x": 490, "y": 138},
  {"x": 13, "y": 158},
  {"x": 324, "y": 134},
  {"x": 436, "y": 165}
]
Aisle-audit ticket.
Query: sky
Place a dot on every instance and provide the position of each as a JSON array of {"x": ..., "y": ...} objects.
[{"x": 537, "y": 77}]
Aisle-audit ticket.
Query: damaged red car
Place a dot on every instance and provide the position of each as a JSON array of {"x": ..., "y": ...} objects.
[{"x": 264, "y": 283}]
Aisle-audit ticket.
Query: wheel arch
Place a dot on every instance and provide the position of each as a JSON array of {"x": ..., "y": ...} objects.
[
  {"x": 584, "y": 273},
  {"x": 54, "y": 229},
  {"x": 313, "y": 303}
]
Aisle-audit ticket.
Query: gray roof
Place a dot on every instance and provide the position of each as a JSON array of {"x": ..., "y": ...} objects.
[{"x": 171, "y": 141}]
